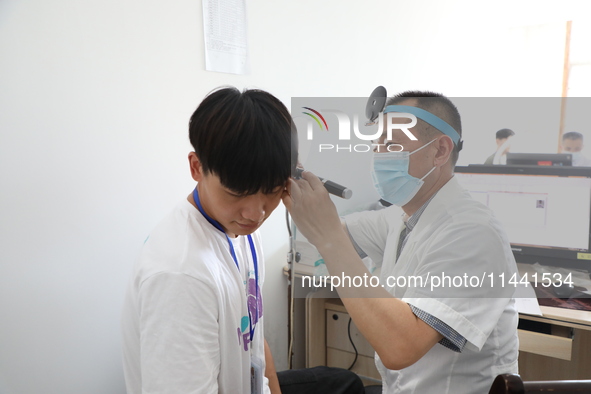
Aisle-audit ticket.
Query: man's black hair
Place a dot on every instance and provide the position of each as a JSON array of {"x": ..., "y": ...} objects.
[
  {"x": 247, "y": 139},
  {"x": 438, "y": 105},
  {"x": 504, "y": 133},
  {"x": 572, "y": 135}
]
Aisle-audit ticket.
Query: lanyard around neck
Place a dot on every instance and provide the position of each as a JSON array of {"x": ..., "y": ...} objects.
[{"x": 218, "y": 226}]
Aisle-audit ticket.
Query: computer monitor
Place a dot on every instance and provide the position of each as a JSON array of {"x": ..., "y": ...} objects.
[
  {"x": 546, "y": 211},
  {"x": 540, "y": 159}
]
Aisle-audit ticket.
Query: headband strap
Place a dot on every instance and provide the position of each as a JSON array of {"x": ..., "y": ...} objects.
[{"x": 428, "y": 117}]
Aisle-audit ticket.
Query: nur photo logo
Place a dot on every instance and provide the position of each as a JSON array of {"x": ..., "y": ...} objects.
[
  {"x": 346, "y": 130},
  {"x": 316, "y": 118}
]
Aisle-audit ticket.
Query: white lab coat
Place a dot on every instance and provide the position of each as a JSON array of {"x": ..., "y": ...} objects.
[{"x": 458, "y": 237}]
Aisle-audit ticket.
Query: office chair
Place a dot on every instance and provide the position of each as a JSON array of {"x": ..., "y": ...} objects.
[{"x": 512, "y": 384}]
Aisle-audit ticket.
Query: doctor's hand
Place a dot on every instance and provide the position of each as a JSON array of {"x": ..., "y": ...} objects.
[{"x": 312, "y": 210}]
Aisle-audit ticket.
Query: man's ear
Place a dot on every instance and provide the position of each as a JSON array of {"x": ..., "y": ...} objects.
[
  {"x": 196, "y": 167},
  {"x": 444, "y": 147}
]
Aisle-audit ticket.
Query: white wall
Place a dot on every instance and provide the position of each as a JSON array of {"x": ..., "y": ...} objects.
[{"x": 94, "y": 102}]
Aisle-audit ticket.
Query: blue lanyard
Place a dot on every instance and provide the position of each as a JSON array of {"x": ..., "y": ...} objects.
[{"x": 217, "y": 225}]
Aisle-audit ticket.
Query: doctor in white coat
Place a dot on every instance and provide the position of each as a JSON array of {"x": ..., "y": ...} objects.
[{"x": 440, "y": 320}]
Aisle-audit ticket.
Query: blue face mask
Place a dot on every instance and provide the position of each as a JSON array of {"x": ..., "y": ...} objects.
[{"x": 391, "y": 177}]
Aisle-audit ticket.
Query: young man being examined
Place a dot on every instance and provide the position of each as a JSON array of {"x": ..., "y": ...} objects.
[{"x": 193, "y": 314}]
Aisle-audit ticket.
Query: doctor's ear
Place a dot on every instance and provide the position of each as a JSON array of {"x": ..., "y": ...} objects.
[{"x": 444, "y": 146}]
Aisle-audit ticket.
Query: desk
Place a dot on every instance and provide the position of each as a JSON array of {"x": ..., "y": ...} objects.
[
  {"x": 562, "y": 351},
  {"x": 564, "y": 354}
]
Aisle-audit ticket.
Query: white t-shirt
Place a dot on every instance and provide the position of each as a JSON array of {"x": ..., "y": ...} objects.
[
  {"x": 186, "y": 325},
  {"x": 455, "y": 236}
]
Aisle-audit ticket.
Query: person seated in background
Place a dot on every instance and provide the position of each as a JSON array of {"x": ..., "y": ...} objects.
[
  {"x": 572, "y": 142},
  {"x": 503, "y": 146}
]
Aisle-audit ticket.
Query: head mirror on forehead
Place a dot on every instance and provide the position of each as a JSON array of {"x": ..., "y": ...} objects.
[{"x": 377, "y": 101}]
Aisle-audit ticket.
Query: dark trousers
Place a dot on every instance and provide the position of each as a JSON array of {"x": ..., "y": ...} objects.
[{"x": 320, "y": 380}]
